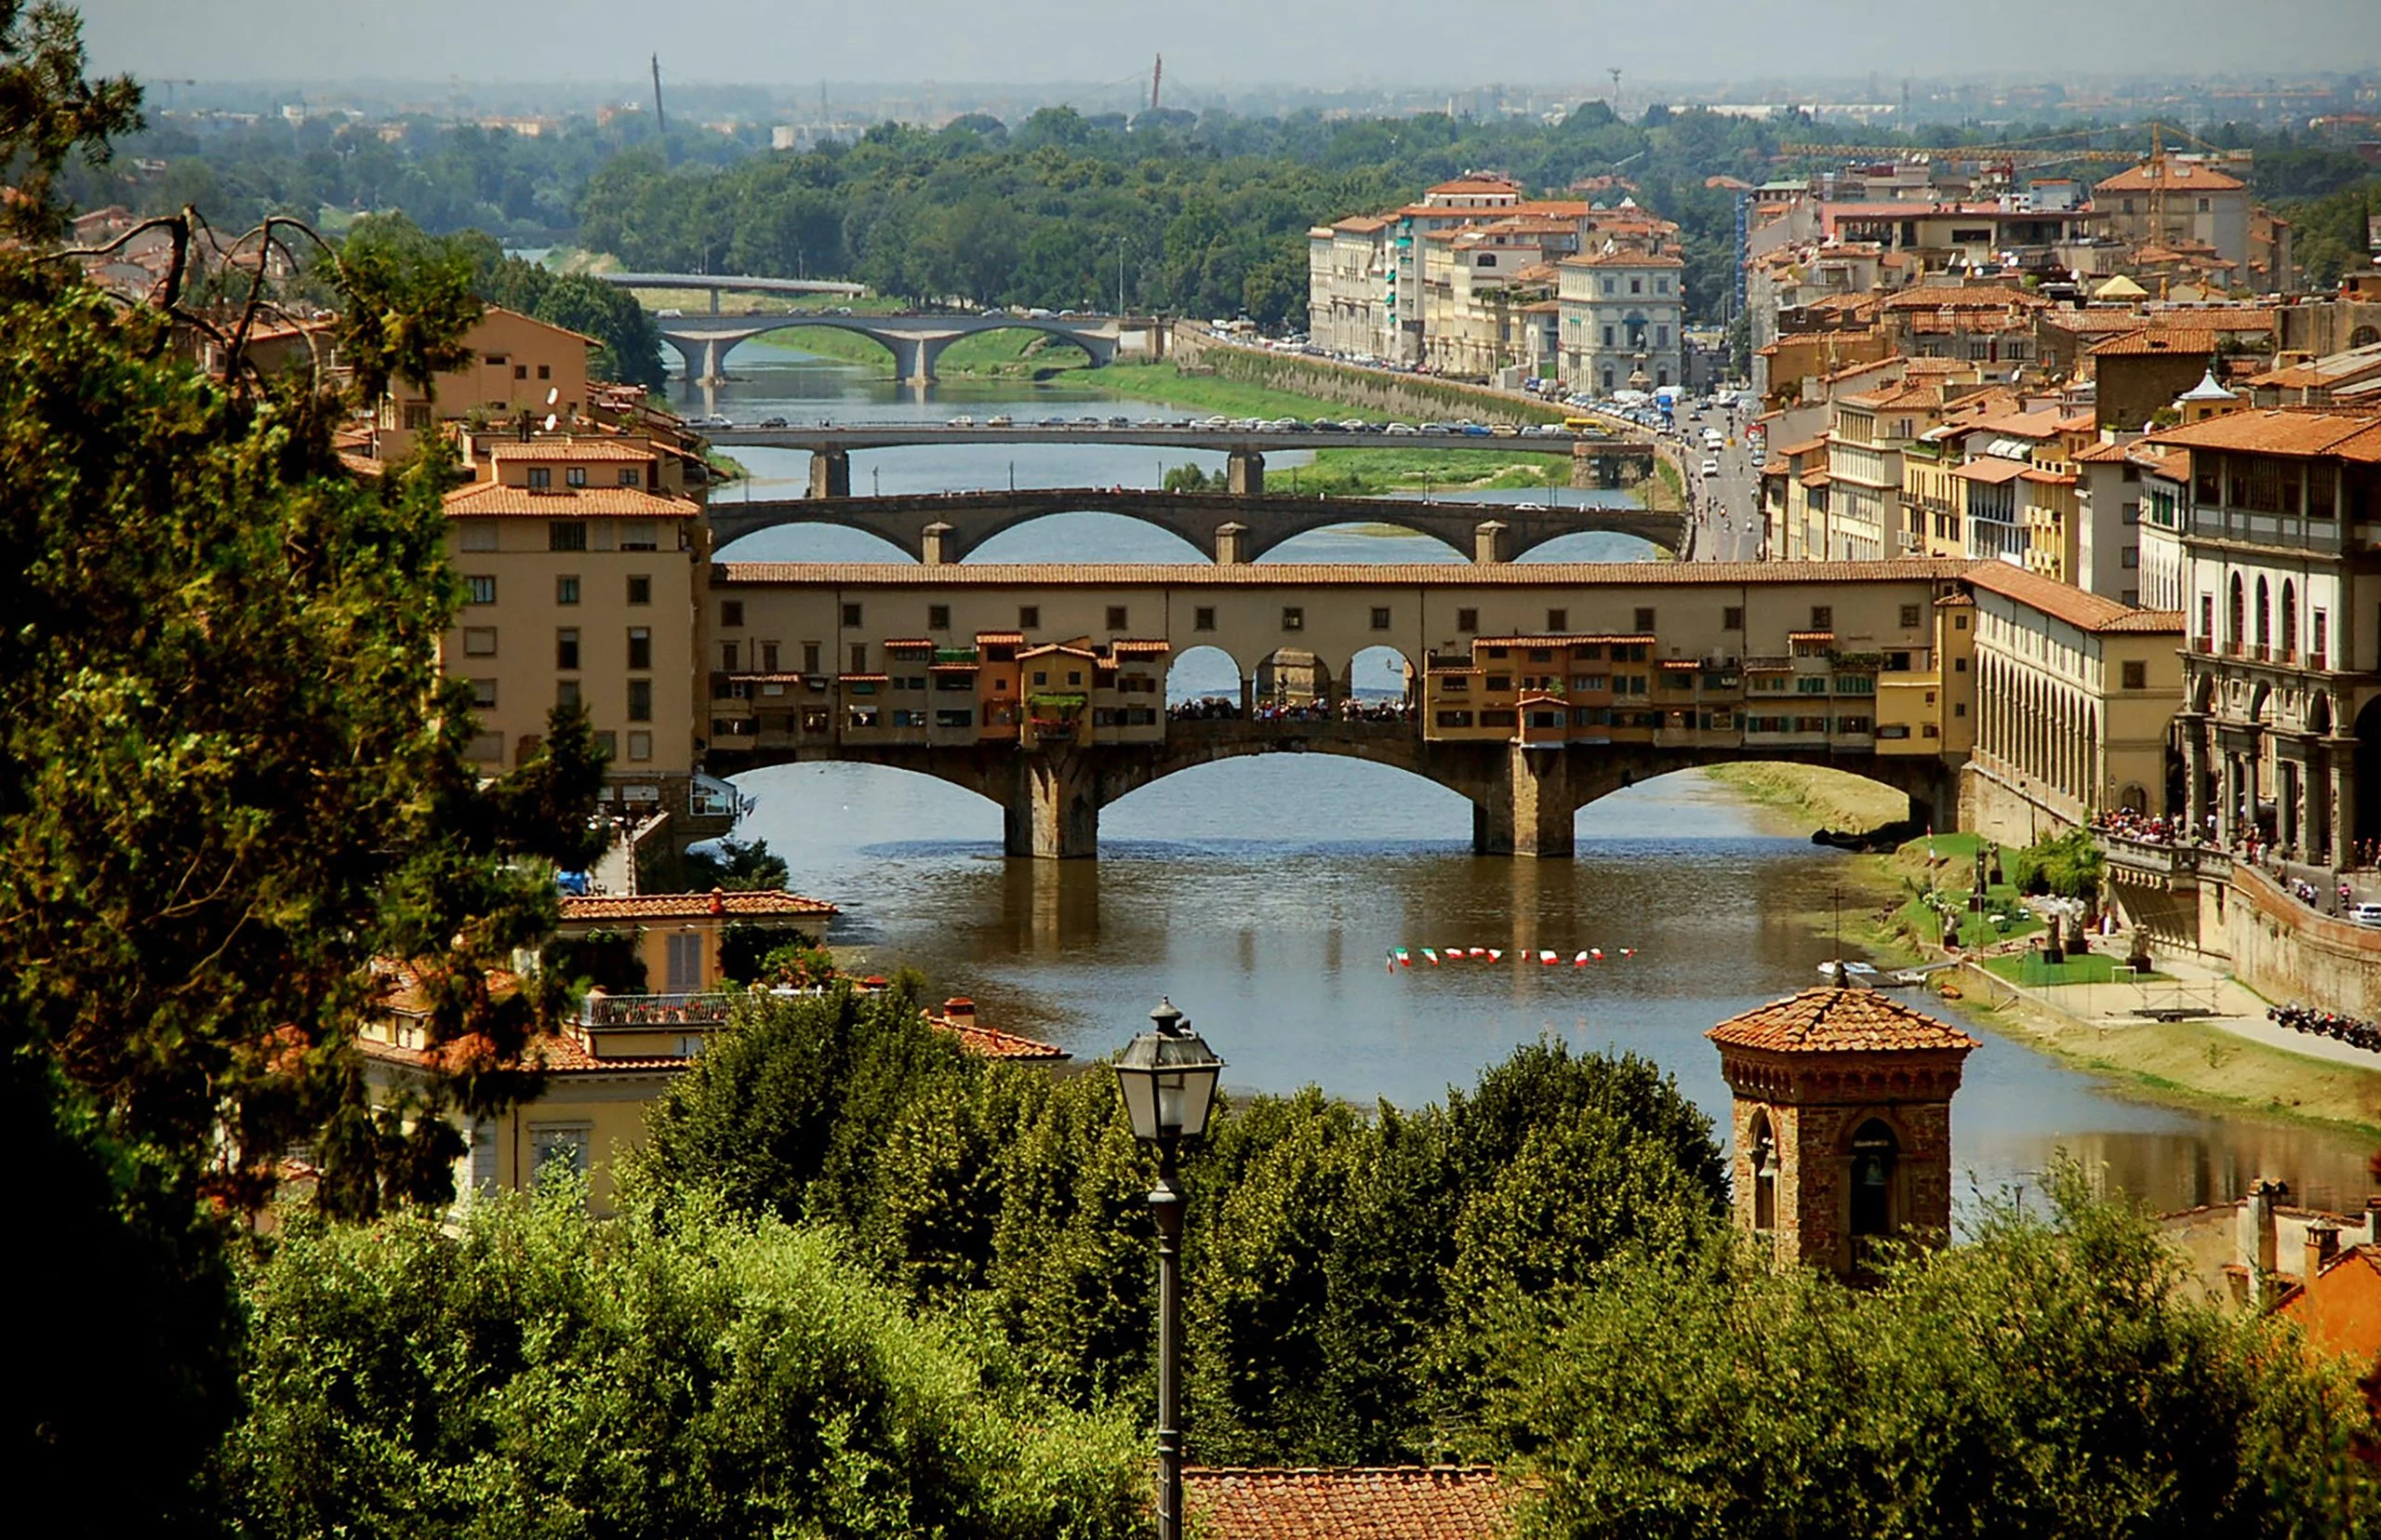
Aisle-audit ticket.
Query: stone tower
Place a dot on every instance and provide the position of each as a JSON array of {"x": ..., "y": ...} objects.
[{"x": 1842, "y": 1122}]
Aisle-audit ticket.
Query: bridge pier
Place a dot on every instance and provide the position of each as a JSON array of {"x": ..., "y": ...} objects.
[
  {"x": 913, "y": 356},
  {"x": 831, "y": 472},
  {"x": 1232, "y": 544},
  {"x": 1053, "y": 810},
  {"x": 1245, "y": 474},
  {"x": 1489, "y": 544},
  {"x": 1532, "y": 812},
  {"x": 936, "y": 547}
]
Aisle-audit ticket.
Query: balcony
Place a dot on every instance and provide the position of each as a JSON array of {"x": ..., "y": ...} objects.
[
  {"x": 601, "y": 1011},
  {"x": 2170, "y": 863}
]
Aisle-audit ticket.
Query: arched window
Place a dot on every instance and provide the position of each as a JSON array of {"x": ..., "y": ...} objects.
[
  {"x": 2265, "y": 615},
  {"x": 1765, "y": 1174},
  {"x": 2364, "y": 337},
  {"x": 1874, "y": 1154},
  {"x": 2289, "y": 619},
  {"x": 2233, "y": 637}
]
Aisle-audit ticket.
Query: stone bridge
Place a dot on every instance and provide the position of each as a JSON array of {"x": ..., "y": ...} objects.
[
  {"x": 944, "y": 528},
  {"x": 1525, "y": 800},
  {"x": 915, "y": 341}
]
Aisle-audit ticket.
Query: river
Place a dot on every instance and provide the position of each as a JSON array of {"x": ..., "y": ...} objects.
[{"x": 1265, "y": 895}]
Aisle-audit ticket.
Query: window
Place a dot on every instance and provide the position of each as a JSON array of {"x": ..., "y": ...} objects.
[
  {"x": 558, "y": 1151},
  {"x": 1644, "y": 618},
  {"x": 851, "y": 615},
  {"x": 416, "y": 414},
  {"x": 545, "y": 371},
  {"x": 810, "y": 657},
  {"x": 1558, "y": 620},
  {"x": 1959, "y": 665},
  {"x": 637, "y": 535},
  {"x": 640, "y": 709},
  {"x": 731, "y": 612},
  {"x": 1607, "y": 334},
  {"x": 768, "y": 657},
  {"x": 1636, "y": 285},
  {"x": 566, "y": 590},
  {"x": 1467, "y": 619},
  {"x": 1202, "y": 619},
  {"x": 566, "y": 692},
  {"x": 1732, "y": 618},
  {"x": 1116, "y": 618},
  {"x": 541, "y": 479},
  {"x": 1822, "y": 618},
  {"x": 575, "y": 475},
  {"x": 1873, "y": 1153},
  {"x": 2136, "y": 676},
  {"x": 640, "y": 588},
  {"x": 564, "y": 534},
  {"x": 479, "y": 534},
  {"x": 483, "y": 693},
  {"x": 1293, "y": 617},
  {"x": 1765, "y": 1175},
  {"x": 498, "y": 361},
  {"x": 1029, "y": 618},
  {"x": 479, "y": 641},
  {"x": 1455, "y": 719},
  {"x": 566, "y": 649},
  {"x": 632, "y": 475},
  {"x": 1958, "y": 622},
  {"x": 2131, "y": 514},
  {"x": 640, "y": 648},
  {"x": 480, "y": 590},
  {"x": 2129, "y": 558},
  {"x": 727, "y": 651},
  {"x": 639, "y": 746},
  {"x": 859, "y": 657},
  {"x": 938, "y": 618},
  {"x": 1909, "y": 613}
]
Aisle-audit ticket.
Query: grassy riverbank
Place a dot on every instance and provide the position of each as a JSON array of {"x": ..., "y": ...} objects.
[{"x": 1833, "y": 798}]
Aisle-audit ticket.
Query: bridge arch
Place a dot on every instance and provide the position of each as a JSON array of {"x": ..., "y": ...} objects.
[
  {"x": 1281, "y": 547},
  {"x": 914, "y": 343},
  {"x": 1207, "y": 673}
]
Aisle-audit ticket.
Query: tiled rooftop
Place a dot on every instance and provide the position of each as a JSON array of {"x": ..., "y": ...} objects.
[
  {"x": 1633, "y": 575},
  {"x": 2350, "y": 436},
  {"x": 493, "y": 499},
  {"x": 1350, "y": 1503},
  {"x": 1833, "y": 1020},
  {"x": 2090, "y": 612},
  {"x": 690, "y": 906}
]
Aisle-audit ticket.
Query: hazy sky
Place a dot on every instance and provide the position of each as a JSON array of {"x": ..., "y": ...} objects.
[{"x": 1215, "y": 44}]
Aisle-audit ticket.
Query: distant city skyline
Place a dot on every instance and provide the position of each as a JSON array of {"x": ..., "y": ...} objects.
[{"x": 1220, "y": 46}]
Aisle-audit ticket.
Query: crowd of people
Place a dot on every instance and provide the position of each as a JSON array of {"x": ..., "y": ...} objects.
[
  {"x": 2124, "y": 823},
  {"x": 2352, "y": 1030},
  {"x": 1223, "y": 709}
]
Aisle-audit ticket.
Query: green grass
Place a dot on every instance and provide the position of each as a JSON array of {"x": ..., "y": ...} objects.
[
  {"x": 1213, "y": 395},
  {"x": 2028, "y": 969}
]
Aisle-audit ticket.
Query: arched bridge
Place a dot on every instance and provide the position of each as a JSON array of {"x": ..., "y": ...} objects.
[
  {"x": 915, "y": 341},
  {"x": 943, "y": 527},
  {"x": 732, "y": 283},
  {"x": 1523, "y": 802}
]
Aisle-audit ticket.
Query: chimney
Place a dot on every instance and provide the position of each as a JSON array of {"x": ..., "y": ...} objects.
[
  {"x": 718, "y": 902},
  {"x": 2322, "y": 1244},
  {"x": 959, "y": 1011},
  {"x": 2261, "y": 1198},
  {"x": 2372, "y": 1222}
]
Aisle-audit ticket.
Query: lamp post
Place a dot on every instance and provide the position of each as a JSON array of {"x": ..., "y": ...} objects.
[{"x": 1168, "y": 1078}]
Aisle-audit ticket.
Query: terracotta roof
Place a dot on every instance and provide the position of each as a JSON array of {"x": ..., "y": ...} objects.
[
  {"x": 1057, "y": 575},
  {"x": 2156, "y": 340},
  {"x": 2090, "y": 612},
  {"x": 1946, "y": 296},
  {"x": 990, "y": 1041},
  {"x": 549, "y": 1053},
  {"x": 493, "y": 499},
  {"x": 1622, "y": 258},
  {"x": 543, "y": 450},
  {"x": 1351, "y": 1503},
  {"x": 2189, "y": 176},
  {"x": 1568, "y": 640},
  {"x": 2283, "y": 432},
  {"x": 2103, "y": 454},
  {"x": 1991, "y": 471},
  {"x": 691, "y": 906},
  {"x": 1139, "y": 646},
  {"x": 997, "y": 638},
  {"x": 1833, "y": 1020},
  {"x": 1817, "y": 479}
]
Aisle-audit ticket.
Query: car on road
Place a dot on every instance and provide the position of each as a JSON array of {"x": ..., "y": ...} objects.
[
  {"x": 1711, "y": 467},
  {"x": 2368, "y": 915},
  {"x": 1051, "y": 422},
  {"x": 1120, "y": 422},
  {"x": 961, "y": 421},
  {"x": 1505, "y": 429},
  {"x": 1004, "y": 420},
  {"x": 1400, "y": 430},
  {"x": 773, "y": 422},
  {"x": 1474, "y": 429}
]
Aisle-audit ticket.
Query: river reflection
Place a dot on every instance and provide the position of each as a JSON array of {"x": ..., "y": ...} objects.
[{"x": 1264, "y": 895}]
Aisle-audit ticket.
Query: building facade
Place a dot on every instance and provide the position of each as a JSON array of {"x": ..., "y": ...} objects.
[{"x": 1622, "y": 314}]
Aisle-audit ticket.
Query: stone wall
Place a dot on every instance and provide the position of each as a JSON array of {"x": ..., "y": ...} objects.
[
  {"x": 2287, "y": 952},
  {"x": 1417, "y": 397},
  {"x": 1991, "y": 804}
]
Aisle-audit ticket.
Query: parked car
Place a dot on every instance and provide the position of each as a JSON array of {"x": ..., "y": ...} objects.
[
  {"x": 1711, "y": 467},
  {"x": 1004, "y": 420},
  {"x": 773, "y": 422},
  {"x": 2365, "y": 914}
]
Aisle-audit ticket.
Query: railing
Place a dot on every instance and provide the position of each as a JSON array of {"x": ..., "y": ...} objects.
[
  {"x": 655, "y": 1010},
  {"x": 2161, "y": 859}
]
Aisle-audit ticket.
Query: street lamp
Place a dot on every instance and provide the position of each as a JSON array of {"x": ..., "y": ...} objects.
[{"x": 1168, "y": 1079}]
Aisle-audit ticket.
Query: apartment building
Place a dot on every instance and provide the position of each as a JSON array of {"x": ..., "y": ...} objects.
[
  {"x": 583, "y": 577},
  {"x": 2174, "y": 201},
  {"x": 2281, "y": 726},
  {"x": 2075, "y": 692},
  {"x": 1477, "y": 283},
  {"x": 1351, "y": 287},
  {"x": 520, "y": 369},
  {"x": 1622, "y": 318}
]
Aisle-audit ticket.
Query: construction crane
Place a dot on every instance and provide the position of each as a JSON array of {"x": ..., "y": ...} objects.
[{"x": 1157, "y": 78}]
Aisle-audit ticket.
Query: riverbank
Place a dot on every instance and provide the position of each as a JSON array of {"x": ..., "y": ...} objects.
[{"x": 1833, "y": 798}]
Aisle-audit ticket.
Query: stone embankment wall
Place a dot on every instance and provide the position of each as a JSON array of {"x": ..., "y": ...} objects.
[
  {"x": 2288, "y": 953},
  {"x": 1415, "y": 396}
]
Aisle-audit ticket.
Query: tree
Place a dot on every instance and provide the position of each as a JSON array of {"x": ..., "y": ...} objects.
[
  {"x": 535, "y": 1373},
  {"x": 48, "y": 112},
  {"x": 2051, "y": 1377},
  {"x": 741, "y": 866}
]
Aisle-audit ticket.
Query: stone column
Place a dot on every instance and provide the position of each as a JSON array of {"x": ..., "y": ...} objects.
[
  {"x": 1488, "y": 542},
  {"x": 2193, "y": 727},
  {"x": 1053, "y": 813},
  {"x": 831, "y": 473},
  {"x": 2339, "y": 765},
  {"x": 1232, "y": 544},
  {"x": 935, "y": 545},
  {"x": 1245, "y": 474},
  {"x": 1532, "y": 813}
]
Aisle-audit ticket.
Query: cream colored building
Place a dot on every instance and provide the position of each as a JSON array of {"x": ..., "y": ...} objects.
[
  {"x": 1351, "y": 287},
  {"x": 520, "y": 368},
  {"x": 2171, "y": 199},
  {"x": 2076, "y": 694},
  {"x": 1622, "y": 317},
  {"x": 582, "y": 582}
]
